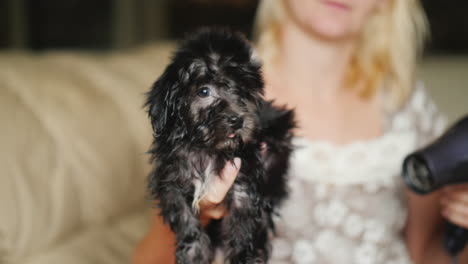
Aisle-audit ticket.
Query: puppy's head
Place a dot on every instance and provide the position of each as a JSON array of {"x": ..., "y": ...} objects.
[{"x": 209, "y": 93}]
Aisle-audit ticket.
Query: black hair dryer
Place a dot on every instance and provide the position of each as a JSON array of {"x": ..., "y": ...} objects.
[{"x": 442, "y": 163}]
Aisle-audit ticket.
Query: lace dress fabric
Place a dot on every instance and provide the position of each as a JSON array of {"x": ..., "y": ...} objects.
[{"x": 347, "y": 202}]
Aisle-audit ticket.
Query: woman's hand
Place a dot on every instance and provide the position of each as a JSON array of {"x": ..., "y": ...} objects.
[
  {"x": 210, "y": 207},
  {"x": 455, "y": 204},
  {"x": 158, "y": 245}
]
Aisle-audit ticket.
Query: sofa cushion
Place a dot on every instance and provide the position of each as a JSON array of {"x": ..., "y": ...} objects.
[
  {"x": 112, "y": 242},
  {"x": 73, "y": 137}
]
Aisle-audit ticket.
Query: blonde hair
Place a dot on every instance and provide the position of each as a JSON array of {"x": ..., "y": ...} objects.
[{"x": 386, "y": 54}]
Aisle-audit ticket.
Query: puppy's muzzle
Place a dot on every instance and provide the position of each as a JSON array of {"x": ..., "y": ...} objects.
[{"x": 235, "y": 122}]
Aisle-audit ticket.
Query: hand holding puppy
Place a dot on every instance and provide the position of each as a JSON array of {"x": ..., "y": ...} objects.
[
  {"x": 210, "y": 207},
  {"x": 147, "y": 251}
]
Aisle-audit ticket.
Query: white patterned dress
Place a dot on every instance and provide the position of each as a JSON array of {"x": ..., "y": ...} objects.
[{"x": 347, "y": 203}]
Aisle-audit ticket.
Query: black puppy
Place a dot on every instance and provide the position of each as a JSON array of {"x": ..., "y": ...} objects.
[{"x": 207, "y": 108}]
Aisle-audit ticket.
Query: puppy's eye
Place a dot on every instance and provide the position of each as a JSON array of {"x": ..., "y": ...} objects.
[{"x": 204, "y": 92}]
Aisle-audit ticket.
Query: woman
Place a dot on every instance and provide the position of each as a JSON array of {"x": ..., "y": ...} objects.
[{"x": 348, "y": 69}]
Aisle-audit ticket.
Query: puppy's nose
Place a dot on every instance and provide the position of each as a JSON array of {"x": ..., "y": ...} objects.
[{"x": 235, "y": 122}]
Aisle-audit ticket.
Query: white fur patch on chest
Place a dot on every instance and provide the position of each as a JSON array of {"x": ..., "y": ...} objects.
[{"x": 201, "y": 181}]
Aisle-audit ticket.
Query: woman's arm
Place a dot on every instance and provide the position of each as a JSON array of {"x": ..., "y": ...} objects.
[
  {"x": 159, "y": 244},
  {"x": 425, "y": 225}
]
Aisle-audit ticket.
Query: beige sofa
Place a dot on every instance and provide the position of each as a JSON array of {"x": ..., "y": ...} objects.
[
  {"x": 73, "y": 165},
  {"x": 73, "y": 139}
]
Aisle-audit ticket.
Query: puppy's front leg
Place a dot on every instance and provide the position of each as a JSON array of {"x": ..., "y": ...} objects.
[
  {"x": 193, "y": 244},
  {"x": 244, "y": 229}
]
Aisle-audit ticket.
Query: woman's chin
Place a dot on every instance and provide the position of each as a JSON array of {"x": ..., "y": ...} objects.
[{"x": 332, "y": 31}]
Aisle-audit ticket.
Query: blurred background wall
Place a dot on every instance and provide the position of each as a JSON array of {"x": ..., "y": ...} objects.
[
  {"x": 114, "y": 24},
  {"x": 104, "y": 25}
]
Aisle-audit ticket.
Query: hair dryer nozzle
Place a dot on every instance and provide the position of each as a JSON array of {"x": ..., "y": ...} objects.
[
  {"x": 440, "y": 163},
  {"x": 417, "y": 174}
]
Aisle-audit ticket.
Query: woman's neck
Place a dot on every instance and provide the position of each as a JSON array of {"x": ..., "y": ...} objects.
[
  {"x": 309, "y": 75},
  {"x": 309, "y": 65}
]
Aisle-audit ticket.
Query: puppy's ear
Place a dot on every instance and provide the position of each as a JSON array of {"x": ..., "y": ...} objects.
[
  {"x": 161, "y": 101},
  {"x": 277, "y": 122}
]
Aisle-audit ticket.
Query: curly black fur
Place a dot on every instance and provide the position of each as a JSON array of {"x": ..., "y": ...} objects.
[{"x": 207, "y": 108}]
